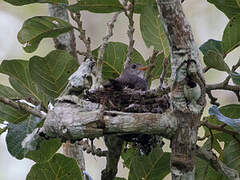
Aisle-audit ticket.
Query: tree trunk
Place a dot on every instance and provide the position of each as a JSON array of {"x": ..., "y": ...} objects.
[{"x": 184, "y": 53}]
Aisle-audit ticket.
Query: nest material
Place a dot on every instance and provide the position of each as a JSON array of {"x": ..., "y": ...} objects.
[
  {"x": 137, "y": 101},
  {"x": 129, "y": 100}
]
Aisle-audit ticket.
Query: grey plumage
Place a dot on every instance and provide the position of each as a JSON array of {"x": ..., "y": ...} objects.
[{"x": 131, "y": 77}]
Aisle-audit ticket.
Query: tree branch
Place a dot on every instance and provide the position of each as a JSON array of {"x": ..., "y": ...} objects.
[
  {"x": 86, "y": 40},
  {"x": 183, "y": 51},
  {"x": 101, "y": 51},
  {"x": 22, "y": 107},
  {"x": 67, "y": 42},
  {"x": 74, "y": 119},
  {"x": 216, "y": 163},
  {"x": 129, "y": 7},
  {"x": 64, "y": 41}
]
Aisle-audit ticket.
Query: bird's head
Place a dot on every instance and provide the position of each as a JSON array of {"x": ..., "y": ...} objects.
[{"x": 135, "y": 69}]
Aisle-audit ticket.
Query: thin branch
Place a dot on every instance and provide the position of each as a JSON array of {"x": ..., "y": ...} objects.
[
  {"x": 151, "y": 64},
  {"x": 102, "y": 48},
  {"x": 129, "y": 10},
  {"x": 206, "y": 69},
  {"x": 164, "y": 71},
  {"x": 224, "y": 85},
  {"x": 21, "y": 106},
  {"x": 92, "y": 149},
  {"x": 216, "y": 163},
  {"x": 218, "y": 128},
  {"x": 86, "y": 40}
]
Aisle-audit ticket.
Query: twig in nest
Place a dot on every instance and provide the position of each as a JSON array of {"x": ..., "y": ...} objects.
[
  {"x": 86, "y": 40},
  {"x": 128, "y": 10}
]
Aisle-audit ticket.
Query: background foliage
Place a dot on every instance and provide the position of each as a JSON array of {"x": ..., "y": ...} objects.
[{"x": 41, "y": 85}]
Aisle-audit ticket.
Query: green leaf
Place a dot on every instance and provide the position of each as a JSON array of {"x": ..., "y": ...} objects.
[
  {"x": 235, "y": 78},
  {"x": 109, "y": 6},
  {"x": 59, "y": 167},
  {"x": 212, "y": 45},
  {"x": 157, "y": 70},
  {"x": 152, "y": 30},
  {"x": 20, "y": 79},
  {"x": 215, "y": 60},
  {"x": 46, "y": 150},
  {"x": 8, "y": 113},
  {"x": 24, "y": 2},
  {"x": 114, "y": 58},
  {"x": 39, "y": 27},
  {"x": 154, "y": 166},
  {"x": 17, "y": 133},
  {"x": 8, "y": 92},
  {"x": 231, "y": 110},
  {"x": 205, "y": 171},
  {"x": 231, "y": 35},
  {"x": 51, "y": 73},
  {"x": 229, "y": 7},
  {"x": 96, "y": 6},
  {"x": 231, "y": 155}
]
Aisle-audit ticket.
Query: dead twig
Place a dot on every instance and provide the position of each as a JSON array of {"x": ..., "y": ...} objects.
[{"x": 86, "y": 40}]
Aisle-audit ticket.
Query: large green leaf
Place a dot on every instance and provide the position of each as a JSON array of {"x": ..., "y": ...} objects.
[
  {"x": 24, "y": 2},
  {"x": 152, "y": 30},
  {"x": 96, "y": 6},
  {"x": 39, "y": 27},
  {"x": 114, "y": 58},
  {"x": 59, "y": 167},
  {"x": 231, "y": 35},
  {"x": 21, "y": 81},
  {"x": 51, "y": 73},
  {"x": 17, "y": 133},
  {"x": 153, "y": 166},
  {"x": 229, "y": 7},
  {"x": 109, "y": 6},
  {"x": 204, "y": 171},
  {"x": 46, "y": 150},
  {"x": 231, "y": 155},
  {"x": 212, "y": 45},
  {"x": 215, "y": 60},
  {"x": 8, "y": 113}
]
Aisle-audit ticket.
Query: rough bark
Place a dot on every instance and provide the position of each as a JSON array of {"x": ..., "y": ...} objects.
[
  {"x": 183, "y": 51},
  {"x": 67, "y": 42}
]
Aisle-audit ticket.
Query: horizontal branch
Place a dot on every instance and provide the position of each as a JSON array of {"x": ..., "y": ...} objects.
[
  {"x": 21, "y": 106},
  {"x": 216, "y": 163},
  {"x": 76, "y": 119}
]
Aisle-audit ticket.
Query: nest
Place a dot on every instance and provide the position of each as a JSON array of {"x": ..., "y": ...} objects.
[
  {"x": 130, "y": 100},
  {"x": 137, "y": 101}
]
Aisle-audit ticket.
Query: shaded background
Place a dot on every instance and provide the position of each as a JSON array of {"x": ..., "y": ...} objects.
[{"x": 207, "y": 23}]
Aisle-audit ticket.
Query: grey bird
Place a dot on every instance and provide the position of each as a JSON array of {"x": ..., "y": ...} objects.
[{"x": 131, "y": 77}]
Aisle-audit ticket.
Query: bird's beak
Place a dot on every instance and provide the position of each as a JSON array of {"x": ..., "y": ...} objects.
[{"x": 143, "y": 68}]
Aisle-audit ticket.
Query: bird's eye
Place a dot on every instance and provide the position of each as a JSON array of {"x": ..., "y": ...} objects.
[{"x": 134, "y": 66}]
